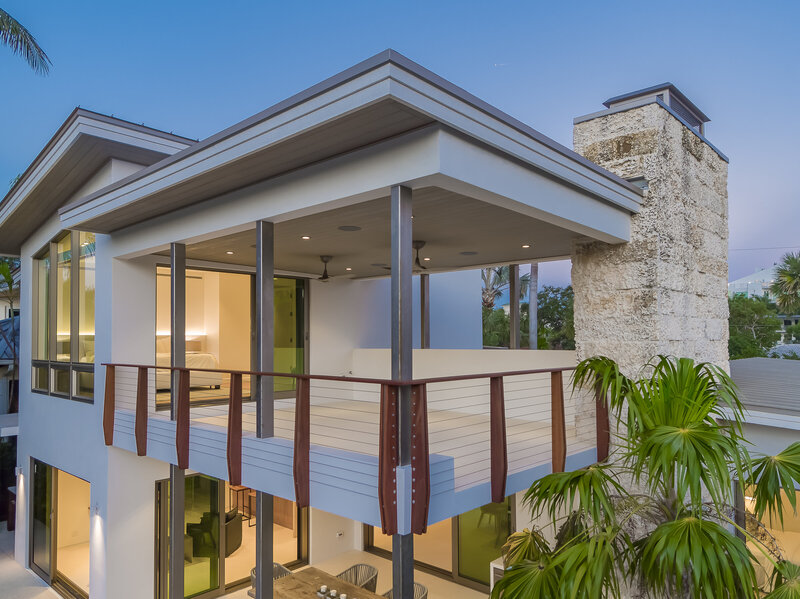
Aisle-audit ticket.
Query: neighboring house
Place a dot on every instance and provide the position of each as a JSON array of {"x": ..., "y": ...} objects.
[
  {"x": 167, "y": 282},
  {"x": 770, "y": 392},
  {"x": 757, "y": 285},
  {"x": 8, "y": 375}
]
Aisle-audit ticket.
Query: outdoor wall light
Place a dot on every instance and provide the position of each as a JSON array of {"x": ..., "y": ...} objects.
[{"x": 18, "y": 471}]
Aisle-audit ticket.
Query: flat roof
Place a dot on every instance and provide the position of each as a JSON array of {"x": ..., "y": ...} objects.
[
  {"x": 655, "y": 88},
  {"x": 768, "y": 384}
]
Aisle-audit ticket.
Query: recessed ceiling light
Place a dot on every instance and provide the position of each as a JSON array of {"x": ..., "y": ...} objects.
[
  {"x": 348, "y": 268},
  {"x": 349, "y": 228},
  {"x": 427, "y": 259},
  {"x": 468, "y": 253},
  {"x": 229, "y": 252},
  {"x": 306, "y": 237},
  {"x": 526, "y": 246}
]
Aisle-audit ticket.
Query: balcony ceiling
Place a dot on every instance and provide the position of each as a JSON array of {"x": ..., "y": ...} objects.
[{"x": 449, "y": 223}]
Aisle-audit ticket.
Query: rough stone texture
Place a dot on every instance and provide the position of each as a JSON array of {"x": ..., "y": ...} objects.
[{"x": 665, "y": 292}]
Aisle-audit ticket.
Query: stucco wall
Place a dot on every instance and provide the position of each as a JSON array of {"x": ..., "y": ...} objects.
[{"x": 665, "y": 292}]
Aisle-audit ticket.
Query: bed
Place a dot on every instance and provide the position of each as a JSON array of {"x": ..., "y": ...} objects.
[{"x": 194, "y": 359}]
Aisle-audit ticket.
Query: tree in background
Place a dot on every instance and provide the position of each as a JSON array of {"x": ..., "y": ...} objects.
[
  {"x": 21, "y": 42},
  {"x": 786, "y": 287},
  {"x": 793, "y": 333},
  {"x": 754, "y": 327},
  {"x": 496, "y": 281},
  {"x": 673, "y": 531},
  {"x": 7, "y": 292}
]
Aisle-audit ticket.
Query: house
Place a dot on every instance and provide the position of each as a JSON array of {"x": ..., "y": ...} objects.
[
  {"x": 757, "y": 285},
  {"x": 260, "y": 347},
  {"x": 770, "y": 392}
]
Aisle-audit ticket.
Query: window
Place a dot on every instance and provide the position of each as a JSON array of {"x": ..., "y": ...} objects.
[{"x": 63, "y": 328}]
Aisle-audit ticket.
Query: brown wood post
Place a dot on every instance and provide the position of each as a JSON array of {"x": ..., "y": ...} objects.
[
  {"x": 141, "y": 412},
  {"x": 497, "y": 429},
  {"x": 235, "y": 431},
  {"x": 420, "y": 460},
  {"x": 603, "y": 425},
  {"x": 302, "y": 443},
  {"x": 388, "y": 460},
  {"x": 559, "y": 430},
  {"x": 109, "y": 405},
  {"x": 182, "y": 420}
]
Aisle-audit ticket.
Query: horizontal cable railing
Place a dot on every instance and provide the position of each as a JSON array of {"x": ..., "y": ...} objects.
[{"x": 491, "y": 425}]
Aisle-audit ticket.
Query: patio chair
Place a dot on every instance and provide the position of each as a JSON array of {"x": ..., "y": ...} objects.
[
  {"x": 278, "y": 571},
  {"x": 361, "y": 575},
  {"x": 420, "y": 592}
]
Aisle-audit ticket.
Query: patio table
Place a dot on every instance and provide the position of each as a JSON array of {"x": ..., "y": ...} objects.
[{"x": 305, "y": 583}]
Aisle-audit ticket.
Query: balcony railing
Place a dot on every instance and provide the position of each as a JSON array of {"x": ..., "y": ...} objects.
[{"x": 488, "y": 426}]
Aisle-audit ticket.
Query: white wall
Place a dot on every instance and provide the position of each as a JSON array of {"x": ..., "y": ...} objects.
[{"x": 330, "y": 535}]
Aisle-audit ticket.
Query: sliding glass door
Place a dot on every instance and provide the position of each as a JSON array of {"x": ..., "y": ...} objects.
[{"x": 60, "y": 528}]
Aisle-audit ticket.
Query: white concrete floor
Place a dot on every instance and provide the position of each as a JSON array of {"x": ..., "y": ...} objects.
[{"x": 15, "y": 581}]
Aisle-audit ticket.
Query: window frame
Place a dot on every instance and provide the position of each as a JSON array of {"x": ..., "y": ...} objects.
[{"x": 73, "y": 365}]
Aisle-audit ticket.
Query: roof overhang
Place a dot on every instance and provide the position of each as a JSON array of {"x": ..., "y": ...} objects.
[
  {"x": 81, "y": 146},
  {"x": 380, "y": 99}
]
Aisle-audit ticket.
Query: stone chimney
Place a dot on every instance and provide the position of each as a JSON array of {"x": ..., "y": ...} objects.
[{"x": 664, "y": 292}]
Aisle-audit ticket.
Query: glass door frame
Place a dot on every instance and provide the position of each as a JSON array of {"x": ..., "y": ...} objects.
[
  {"x": 452, "y": 575},
  {"x": 56, "y": 579},
  {"x": 161, "y": 536}
]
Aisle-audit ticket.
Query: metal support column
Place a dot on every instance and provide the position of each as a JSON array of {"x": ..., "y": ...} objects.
[
  {"x": 533, "y": 307},
  {"x": 178, "y": 359},
  {"x": 402, "y": 260},
  {"x": 513, "y": 306},
  {"x": 425, "y": 310},
  {"x": 265, "y": 400}
]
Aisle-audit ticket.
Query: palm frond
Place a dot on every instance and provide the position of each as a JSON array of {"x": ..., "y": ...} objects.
[
  {"x": 528, "y": 579},
  {"x": 21, "y": 42},
  {"x": 589, "y": 490},
  {"x": 527, "y": 545},
  {"x": 772, "y": 478},
  {"x": 785, "y": 581},
  {"x": 591, "y": 567},
  {"x": 786, "y": 287},
  {"x": 695, "y": 557}
]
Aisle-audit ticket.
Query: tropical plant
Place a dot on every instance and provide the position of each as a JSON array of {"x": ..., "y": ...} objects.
[
  {"x": 657, "y": 515},
  {"x": 753, "y": 325},
  {"x": 786, "y": 286},
  {"x": 495, "y": 282},
  {"x": 10, "y": 336},
  {"x": 21, "y": 42}
]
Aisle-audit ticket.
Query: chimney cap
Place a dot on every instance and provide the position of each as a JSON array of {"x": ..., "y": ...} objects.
[{"x": 672, "y": 97}]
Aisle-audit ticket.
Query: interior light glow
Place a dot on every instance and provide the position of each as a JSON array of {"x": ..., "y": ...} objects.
[
  {"x": 526, "y": 246},
  {"x": 348, "y": 268},
  {"x": 427, "y": 259},
  {"x": 306, "y": 237},
  {"x": 229, "y": 252}
]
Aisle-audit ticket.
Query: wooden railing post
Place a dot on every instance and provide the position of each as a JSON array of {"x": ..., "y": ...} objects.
[
  {"x": 388, "y": 459},
  {"x": 140, "y": 427},
  {"x": 559, "y": 428},
  {"x": 603, "y": 425},
  {"x": 497, "y": 429},
  {"x": 109, "y": 405},
  {"x": 302, "y": 443},
  {"x": 182, "y": 420},
  {"x": 235, "y": 430},
  {"x": 420, "y": 460}
]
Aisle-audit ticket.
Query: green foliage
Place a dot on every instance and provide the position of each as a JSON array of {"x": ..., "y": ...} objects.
[
  {"x": 754, "y": 327},
  {"x": 21, "y": 42},
  {"x": 496, "y": 280},
  {"x": 555, "y": 319},
  {"x": 525, "y": 545},
  {"x": 793, "y": 333},
  {"x": 695, "y": 556},
  {"x": 786, "y": 287},
  {"x": 776, "y": 473},
  {"x": 682, "y": 442}
]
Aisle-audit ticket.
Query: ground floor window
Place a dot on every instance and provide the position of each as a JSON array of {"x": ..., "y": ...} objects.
[
  {"x": 59, "y": 529},
  {"x": 460, "y": 548},
  {"x": 219, "y": 543}
]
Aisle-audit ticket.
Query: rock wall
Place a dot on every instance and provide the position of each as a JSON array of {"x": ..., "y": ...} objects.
[{"x": 665, "y": 292}]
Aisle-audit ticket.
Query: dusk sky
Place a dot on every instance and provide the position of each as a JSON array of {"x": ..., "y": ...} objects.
[{"x": 197, "y": 67}]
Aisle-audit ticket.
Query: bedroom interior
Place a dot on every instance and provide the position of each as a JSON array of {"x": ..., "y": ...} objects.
[{"x": 219, "y": 332}]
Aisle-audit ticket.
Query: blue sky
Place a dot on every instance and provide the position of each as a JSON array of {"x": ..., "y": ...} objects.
[{"x": 197, "y": 67}]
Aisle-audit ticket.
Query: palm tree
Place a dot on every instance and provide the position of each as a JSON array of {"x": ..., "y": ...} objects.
[
  {"x": 658, "y": 514},
  {"x": 496, "y": 281},
  {"x": 20, "y": 40},
  {"x": 786, "y": 287}
]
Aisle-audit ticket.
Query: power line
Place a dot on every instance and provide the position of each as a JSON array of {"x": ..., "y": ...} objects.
[{"x": 786, "y": 247}]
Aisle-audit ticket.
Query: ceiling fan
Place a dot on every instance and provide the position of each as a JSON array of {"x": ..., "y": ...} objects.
[{"x": 325, "y": 276}]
